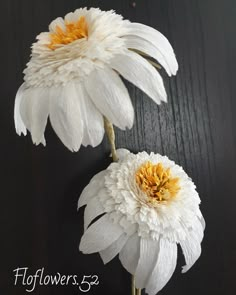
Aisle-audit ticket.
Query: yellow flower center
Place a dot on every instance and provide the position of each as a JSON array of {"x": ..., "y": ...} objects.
[
  {"x": 73, "y": 31},
  {"x": 156, "y": 182}
]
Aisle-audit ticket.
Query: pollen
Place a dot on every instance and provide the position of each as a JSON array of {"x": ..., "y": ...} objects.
[
  {"x": 157, "y": 182},
  {"x": 72, "y": 32}
]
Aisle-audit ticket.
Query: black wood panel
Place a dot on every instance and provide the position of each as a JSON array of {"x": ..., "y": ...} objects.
[{"x": 39, "y": 187}]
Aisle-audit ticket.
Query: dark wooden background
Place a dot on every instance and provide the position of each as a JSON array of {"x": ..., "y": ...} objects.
[{"x": 39, "y": 187}]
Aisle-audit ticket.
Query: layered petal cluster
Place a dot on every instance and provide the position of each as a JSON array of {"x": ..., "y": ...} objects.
[
  {"x": 73, "y": 76},
  {"x": 146, "y": 205}
]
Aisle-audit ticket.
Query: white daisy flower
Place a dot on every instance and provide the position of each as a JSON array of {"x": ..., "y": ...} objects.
[
  {"x": 147, "y": 205},
  {"x": 73, "y": 76}
]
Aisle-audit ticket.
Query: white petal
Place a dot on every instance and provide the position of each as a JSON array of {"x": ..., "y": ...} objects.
[
  {"x": 58, "y": 22},
  {"x": 164, "y": 267},
  {"x": 192, "y": 245},
  {"x": 129, "y": 255},
  {"x": 111, "y": 97},
  {"x": 147, "y": 261},
  {"x": 135, "y": 42},
  {"x": 92, "y": 120},
  {"x": 71, "y": 17},
  {"x": 92, "y": 210},
  {"x": 141, "y": 73},
  {"x": 203, "y": 223},
  {"x": 26, "y": 107},
  {"x": 109, "y": 253},
  {"x": 65, "y": 115},
  {"x": 92, "y": 189},
  {"x": 39, "y": 116},
  {"x": 100, "y": 235},
  {"x": 19, "y": 124},
  {"x": 122, "y": 153},
  {"x": 157, "y": 39}
]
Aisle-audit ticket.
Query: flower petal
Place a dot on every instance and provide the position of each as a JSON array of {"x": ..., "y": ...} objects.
[
  {"x": 91, "y": 190},
  {"x": 157, "y": 39},
  {"x": 164, "y": 266},
  {"x": 203, "y": 223},
  {"x": 92, "y": 120},
  {"x": 130, "y": 253},
  {"x": 100, "y": 235},
  {"x": 65, "y": 115},
  {"x": 141, "y": 73},
  {"x": 26, "y": 107},
  {"x": 135, "y": 42},
  {"x": 122, "y": 153},
  {"x": 39, "y": 116},
  {"x": 111, "y": 97},
  {"x": 109, "y": 253},
  {"x": 92, "y": 210},
  {"x": 58, "y": 22},
  {"x": 147, "y": 261},
  {"x": 191, "y": 246},
  {"x": 19, "y": 124}
]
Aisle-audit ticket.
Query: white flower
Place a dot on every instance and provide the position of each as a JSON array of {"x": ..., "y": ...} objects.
[
  {"x": 148, "y": 206},
  {"x": 73, "y": 76}
]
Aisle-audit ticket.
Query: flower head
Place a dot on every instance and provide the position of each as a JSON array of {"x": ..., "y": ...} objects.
[
  {"x": 73, "y": 76},
  {"x": 147, "y": 205}
]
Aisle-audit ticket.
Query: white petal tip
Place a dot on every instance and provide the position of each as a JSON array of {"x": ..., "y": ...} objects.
[
  {"x": 82, "y": 247},
  {"x": 21, "y": 131},
  {"x": 184, "y": 269},
  {"x": 79, "y": 205},
  {"x": 38, "y": 142},
  {"x": 122, "y": 153},
  {"x": 72, "y": 149},
  {"x": 131, "y": 123},
  {"x": 174, "y": 69},
  {"x": 165, "y": 99},
  {"x": 104, "y": 260}
]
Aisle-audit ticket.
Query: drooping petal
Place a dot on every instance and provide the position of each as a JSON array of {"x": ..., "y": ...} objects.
[
  {"x": 92, "y": 120},
  {"x": 100, "y": 235},
  {"x": 34, "y": 111},
  {"x": 147, "y": 261},
  {"x": 129, "y": 255},
  {"x": 40, "y": 112},
  {"x": 141, "y": 73},
  {"x": 91, "y": 190},
  {"x": 26, "y": 107},
  {"x": 65, "y": 115},
  {"x": 109, "y": 253},
  {"x": 19, "y": 124},
  {"x": 191, "y": 246},
  {"x": 111, "y": 97},
  {"x": 164, "y": 266},
  {"x": 92, "y": 210},
  {"x": 157, "y": 39},
  {"x": 135, "y": 42}
]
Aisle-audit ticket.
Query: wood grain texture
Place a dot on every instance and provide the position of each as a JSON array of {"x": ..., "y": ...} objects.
[{"x": 39, "y": 224}]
